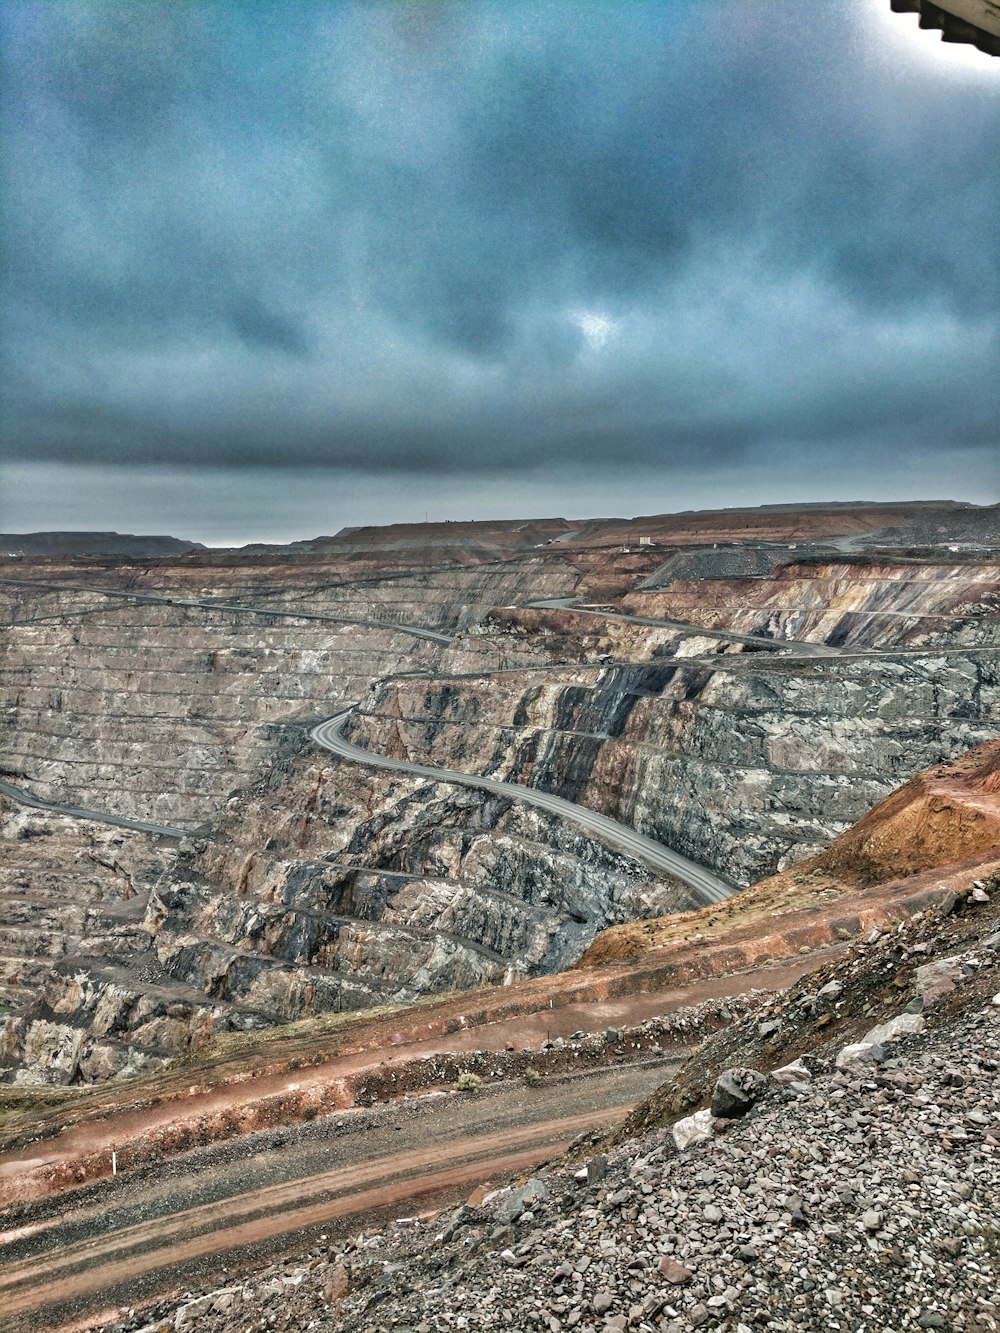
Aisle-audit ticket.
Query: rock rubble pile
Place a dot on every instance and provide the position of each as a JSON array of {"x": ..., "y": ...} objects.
[{"x": 837, "y": 1192}]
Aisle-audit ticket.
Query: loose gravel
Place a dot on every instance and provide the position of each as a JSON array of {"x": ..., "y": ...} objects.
[{"x": 858, "y": 1196}]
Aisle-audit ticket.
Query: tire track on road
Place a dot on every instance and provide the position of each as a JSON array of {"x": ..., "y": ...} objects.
[{"x": 97, "y": 1265}]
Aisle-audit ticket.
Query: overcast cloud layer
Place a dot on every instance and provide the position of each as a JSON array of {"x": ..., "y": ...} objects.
[{"x": 460, "y": 237}]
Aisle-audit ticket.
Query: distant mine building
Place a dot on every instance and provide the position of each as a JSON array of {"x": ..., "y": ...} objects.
[{"x": 973, "y": 22}]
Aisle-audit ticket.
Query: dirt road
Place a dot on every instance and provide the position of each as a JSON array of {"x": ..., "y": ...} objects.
[{"x": 156, "y": 1231}]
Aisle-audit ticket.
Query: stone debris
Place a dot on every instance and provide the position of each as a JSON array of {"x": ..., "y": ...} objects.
[
  {"x": 851, "y": 1195},
  {"x": 788, "y": 1221},
  {"x": 736, "y": 1092},
  {"x": 693, "y": 1129},
  {"x": 794, "y": 1072}
]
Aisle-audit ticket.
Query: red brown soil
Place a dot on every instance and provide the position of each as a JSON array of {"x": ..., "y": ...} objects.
[
  {"x": 939, "y": 831},
  {"x": 941, "y": 816},
  {"x": 226, "y": 1106},
  {"x": 942, "y": 830},
  {"x": 263, "y": 1213}
]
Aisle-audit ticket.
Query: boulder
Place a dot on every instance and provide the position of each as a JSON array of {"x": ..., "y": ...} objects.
[
  {"x": 597, "y": 1170},
  {"x": 857, "y": 1053},
  {"x": 336, "y": 1285},
  {"x": 674, "y": 1272},
  {"x": 795, "y": 1072},
  {"x": 519, "y": 1200},
  {"x": 693, "y": 1129},
  {"x": 903, "y": 1025},
  {"x": 736, "y": 1091},
  {"x": 935, "y": 980}
]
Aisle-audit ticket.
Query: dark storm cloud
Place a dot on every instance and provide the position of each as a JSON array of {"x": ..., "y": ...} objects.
[{"x": 449, "y": 236}]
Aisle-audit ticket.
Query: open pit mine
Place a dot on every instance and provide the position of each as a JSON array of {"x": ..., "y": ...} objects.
[{"x": 344, "y": 884}]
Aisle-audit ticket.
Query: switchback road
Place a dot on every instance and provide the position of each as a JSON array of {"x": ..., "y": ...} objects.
[
  {"x": 78, "y": 812},
  {"x": 206, "y": 604},
  {"x": 800, "y": 647},
  {"x": 711, "y": 888}
]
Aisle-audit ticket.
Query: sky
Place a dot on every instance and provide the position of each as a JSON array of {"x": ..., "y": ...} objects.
[{"x": 275, "y": 268}]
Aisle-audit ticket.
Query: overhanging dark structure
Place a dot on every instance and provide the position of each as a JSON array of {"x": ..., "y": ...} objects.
[{"x": 973, "y": 22}]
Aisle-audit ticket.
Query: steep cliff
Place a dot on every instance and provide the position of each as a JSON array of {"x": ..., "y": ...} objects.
[
  {"x": 850, "y": 604},
  {"x": 64, "y": 882},
  {"x": 936, "y": 836},
  {"x": 325, "y": 887},
  {"x": 157, "y": 712},
  {"x": 511, "y": 637},
  {"x": 744, "y": 763},
  {"x": 311, "y": 883}
]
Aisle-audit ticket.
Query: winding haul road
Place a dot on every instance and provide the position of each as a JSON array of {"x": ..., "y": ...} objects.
[
  {"x": 799, "y": 647},
  {"x": 711, "y": 888},
  {"x": 22, "y": 797},
  {"x": 329, "y": 734}
]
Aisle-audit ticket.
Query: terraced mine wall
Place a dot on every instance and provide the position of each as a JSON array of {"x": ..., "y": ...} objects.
[
  {"x": 322, "y": 885},
  {"x": 67, "y": 883},
  {"x": 327, "y": 887},
  {"x": 843, "y": 603},
  {"x": 746, "y": 767},
  {"x": 510, "y": 637},
  {"x": 450, "y": 593},
  {"x": 158, "y": 712},
  {"x": 443, "y": 599}
]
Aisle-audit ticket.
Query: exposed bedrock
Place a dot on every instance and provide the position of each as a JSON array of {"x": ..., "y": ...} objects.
[
  {"x": 155, "y": 711},
  {"x": 158, "y": 712},
  {"x": 745, "y": 768},
  {"x": 93, "y": 1021},
  {"x": 444, "y": 599},
  {"x": 329, "y": 887},
  {"x": 65, "y": 881},
  {"x": 849, "y": 605},
  {"x": 511, "y": 637},
  {"x": 327, "y": 841}
]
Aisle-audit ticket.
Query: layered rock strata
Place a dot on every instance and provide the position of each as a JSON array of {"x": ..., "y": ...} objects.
[
  {"x": 853, "y": 605},
  {"x": 328, "y": 888},
  {"x": 744, "y": 767},
  {"x": 157, "y": 712},
  {"x": 66, "y": 882}
]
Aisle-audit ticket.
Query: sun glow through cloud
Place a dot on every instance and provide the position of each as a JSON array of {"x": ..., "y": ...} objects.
[{"x": 595, "y": 327}]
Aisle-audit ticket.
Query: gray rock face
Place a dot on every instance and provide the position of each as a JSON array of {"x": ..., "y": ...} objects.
[
  {"x": 849, "y": 605},
  {"x": 382, "y": 893},
  {"x": 92, "y": 717},
  {"x": 743, "y": 767},
  {"x": 322, "y": 887},
  {"x": 521, "y": 1200},
  {"x": 736, "y": 1092}
]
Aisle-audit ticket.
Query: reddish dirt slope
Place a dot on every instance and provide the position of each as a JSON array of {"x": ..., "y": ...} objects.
[
  {"x": 942, "y": 827},
  {"x": 944, "y": 815}
]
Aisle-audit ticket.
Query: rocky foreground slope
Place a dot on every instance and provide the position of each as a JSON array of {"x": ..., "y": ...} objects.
[{"x": 843, "y": 1172}]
